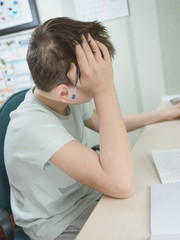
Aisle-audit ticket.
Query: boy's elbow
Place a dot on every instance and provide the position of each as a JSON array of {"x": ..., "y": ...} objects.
[
  {"x": 129, "y": 190},
  {"x": 125, "y": 189}
]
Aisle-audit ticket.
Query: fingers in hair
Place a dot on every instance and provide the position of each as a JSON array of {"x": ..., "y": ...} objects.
[
  {"x": 104, "y": 51},
  {"x": 94, "y": 47}
]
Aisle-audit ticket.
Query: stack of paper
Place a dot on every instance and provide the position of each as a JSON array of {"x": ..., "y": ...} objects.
[
  {"x": 168, "y": 98},
  {"x": 165, "y": 211}
]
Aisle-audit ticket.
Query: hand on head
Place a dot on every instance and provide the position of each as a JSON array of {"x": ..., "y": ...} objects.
[{"x": 96, "y": 73}]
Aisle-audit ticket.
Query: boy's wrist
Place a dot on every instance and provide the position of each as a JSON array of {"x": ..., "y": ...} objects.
[{"x": 104, "y": 91}]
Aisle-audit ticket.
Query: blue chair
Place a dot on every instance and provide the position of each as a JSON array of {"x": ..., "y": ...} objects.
[{"x": 5, "y": 209}]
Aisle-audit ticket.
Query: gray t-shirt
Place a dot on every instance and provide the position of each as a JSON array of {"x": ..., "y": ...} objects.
[{"x": 44, "y": 199}]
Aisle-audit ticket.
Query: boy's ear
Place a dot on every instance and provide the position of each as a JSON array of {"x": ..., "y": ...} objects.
[{"x": 63, "y": 92}]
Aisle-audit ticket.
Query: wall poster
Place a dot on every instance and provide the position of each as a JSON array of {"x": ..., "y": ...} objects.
[
  {"x": 17, "y": 15},
  {"x": 14, "y": 71}
]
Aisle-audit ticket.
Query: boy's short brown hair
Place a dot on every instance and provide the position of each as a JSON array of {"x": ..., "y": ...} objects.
[{"x": 51, "y": 49}]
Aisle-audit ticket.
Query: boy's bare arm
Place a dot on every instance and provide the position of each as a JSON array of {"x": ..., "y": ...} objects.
[
  {"x": 136, "y": 121},
  {"x": 111, "y": 172},
  {"x": 93, "y": 122}
]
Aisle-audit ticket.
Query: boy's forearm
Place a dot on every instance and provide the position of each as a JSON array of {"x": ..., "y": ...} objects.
[
  {"x": 115, "y": 167},
  {"x": 133, "y": 122},
  {"x": 115, "y": 153}
]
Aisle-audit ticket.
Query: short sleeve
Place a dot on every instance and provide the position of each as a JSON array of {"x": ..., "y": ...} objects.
[
  {"x": 56, "y": 139},
  {"x": 44, "y": 136},
  {"x": 87, "y": 110}
]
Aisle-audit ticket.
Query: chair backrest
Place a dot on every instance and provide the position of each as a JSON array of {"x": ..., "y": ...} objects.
[{"x": 10, "y": 105}]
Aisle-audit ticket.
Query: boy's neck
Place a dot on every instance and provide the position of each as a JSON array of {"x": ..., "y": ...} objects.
[{"x": 57, "y": 106}]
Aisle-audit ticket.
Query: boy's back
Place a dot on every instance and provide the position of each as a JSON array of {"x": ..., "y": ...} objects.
[{"x": 44, "y": 199}]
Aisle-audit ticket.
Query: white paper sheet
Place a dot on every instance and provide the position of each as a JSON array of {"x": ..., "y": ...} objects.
[
  {"x": 167, "y": 163},
  {"x": 167, "y": 237},
  {"x": 169, "y": 97},
  {"x": 165, "y": 210}
]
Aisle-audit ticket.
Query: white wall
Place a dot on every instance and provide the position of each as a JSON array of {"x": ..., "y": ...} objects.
[
  {"x": 146, "y": 41},
  {"x": 49, "y": 9},
  {"x": 169, "y": 30}
]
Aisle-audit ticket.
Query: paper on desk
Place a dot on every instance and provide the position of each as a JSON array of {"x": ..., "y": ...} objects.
[
  {"x": 167, "y": 163},
  {"x": 165, "y": 237},
  {"x": 169, "y": 97},
  {"x": 165, "y": 210}
]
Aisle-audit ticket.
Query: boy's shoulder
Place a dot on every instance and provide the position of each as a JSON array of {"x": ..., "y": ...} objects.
[{"x": 30, "y": 111}]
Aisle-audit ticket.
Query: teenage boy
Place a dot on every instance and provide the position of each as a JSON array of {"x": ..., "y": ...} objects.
[{"x": 55, "y": 178}]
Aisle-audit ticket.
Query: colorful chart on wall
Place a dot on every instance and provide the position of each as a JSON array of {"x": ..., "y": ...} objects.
[
  {"x": 17, "y": 15},
  {"x": 10, "y": 10},
  {"x": 14, "y": 71},
  {"x": 12, "y": 14}
]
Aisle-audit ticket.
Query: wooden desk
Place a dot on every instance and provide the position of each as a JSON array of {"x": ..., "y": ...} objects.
[{"x": 129, "y": 219}]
